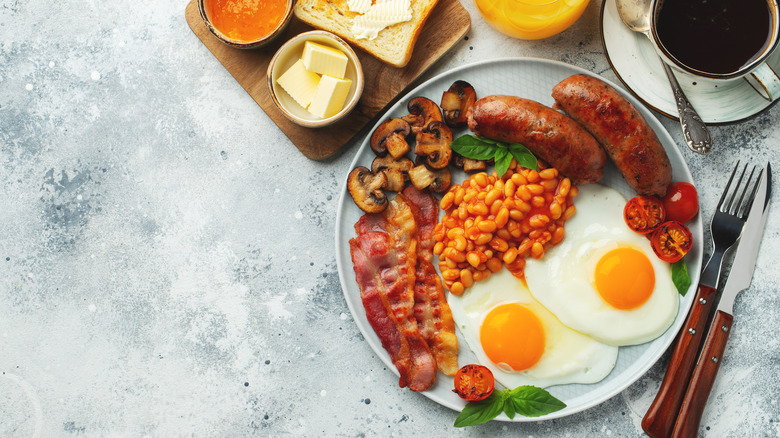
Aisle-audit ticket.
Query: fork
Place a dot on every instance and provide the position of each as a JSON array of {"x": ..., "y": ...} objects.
[
  {"x": 727, "y": 223},
  {"x": 725, "y": 228}
]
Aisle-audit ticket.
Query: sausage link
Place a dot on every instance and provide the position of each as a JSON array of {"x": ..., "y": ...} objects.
[
  {"x": 550, "y": 135},
  {"x": 620, "y": 128}
]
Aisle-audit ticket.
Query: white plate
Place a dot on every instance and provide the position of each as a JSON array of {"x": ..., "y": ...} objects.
[
  {"x": 533, "y": 79},
  {"x": 638, "y": 66}
]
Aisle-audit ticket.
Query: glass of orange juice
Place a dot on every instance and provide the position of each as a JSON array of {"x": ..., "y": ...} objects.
[{"x": 531, "y": 19}]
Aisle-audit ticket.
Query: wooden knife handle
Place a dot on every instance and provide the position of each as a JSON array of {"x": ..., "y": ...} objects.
[
  {"x": 659, "y": 420},
  {"x": 703, "y": 376}
]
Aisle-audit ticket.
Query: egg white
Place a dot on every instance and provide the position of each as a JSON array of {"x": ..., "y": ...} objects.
[
  {"x": 569, "y": 356},
  {"x": 563, "y": 279}
]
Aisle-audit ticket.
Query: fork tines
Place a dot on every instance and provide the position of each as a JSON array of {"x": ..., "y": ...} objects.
[{"x": 742, "y": 205}]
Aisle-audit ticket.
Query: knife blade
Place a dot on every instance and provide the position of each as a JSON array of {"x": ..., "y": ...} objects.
[
  {"x": 739, "y": 279},
  {"x": 744, "y": 264}
]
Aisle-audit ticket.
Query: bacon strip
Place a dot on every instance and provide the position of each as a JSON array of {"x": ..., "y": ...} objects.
[
  {"x": 431, "y": 310},
  {"x": 384, "y": 255},
  {"x": 425, "y": 209}
]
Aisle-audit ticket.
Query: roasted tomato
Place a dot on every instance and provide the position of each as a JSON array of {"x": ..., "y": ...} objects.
[
  {"x": 671, "y": 241},
  {"x": 644, "y": 214},
  {"x": 681, "y": 202},
  {"x": 474, "y": 382}
]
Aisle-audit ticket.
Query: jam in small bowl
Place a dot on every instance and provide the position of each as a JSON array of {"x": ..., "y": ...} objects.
[{"x": 246, "y": 24}]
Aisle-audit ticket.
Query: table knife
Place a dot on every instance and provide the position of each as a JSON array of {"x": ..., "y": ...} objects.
[{"x": 703, "y": 377}]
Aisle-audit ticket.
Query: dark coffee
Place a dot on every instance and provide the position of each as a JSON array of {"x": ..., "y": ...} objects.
[{"x": 714, "y": 36}]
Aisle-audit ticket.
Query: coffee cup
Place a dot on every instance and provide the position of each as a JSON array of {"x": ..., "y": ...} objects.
[{"x": 720, "y": 40}]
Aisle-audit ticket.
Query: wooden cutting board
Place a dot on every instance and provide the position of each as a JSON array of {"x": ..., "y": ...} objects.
[{"x": 448, "y": 24}]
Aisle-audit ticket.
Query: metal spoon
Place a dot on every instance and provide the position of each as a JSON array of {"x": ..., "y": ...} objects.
[{"x": 636, "y": 15}]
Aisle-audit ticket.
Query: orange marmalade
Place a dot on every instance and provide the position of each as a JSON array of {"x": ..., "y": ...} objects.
[{"x": 245, "y": 20}]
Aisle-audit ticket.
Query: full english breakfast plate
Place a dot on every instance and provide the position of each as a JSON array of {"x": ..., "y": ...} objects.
[{"x": 534, "y": 79}]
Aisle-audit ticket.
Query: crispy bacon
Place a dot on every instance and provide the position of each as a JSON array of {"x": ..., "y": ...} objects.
[
  {"x": 431, "y": 310},
  {"x": 384, "y": 255},
  {"x": 434, "y": 317},
  {"x": 425, "y": 209}
]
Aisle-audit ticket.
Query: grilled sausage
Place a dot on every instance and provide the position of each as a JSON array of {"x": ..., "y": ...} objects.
[
  {"x": 620, "y": 128},
  {"x": 550, "y": 135}
]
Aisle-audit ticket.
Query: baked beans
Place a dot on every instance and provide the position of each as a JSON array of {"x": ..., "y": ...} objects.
[{"x": 493, "y": 222}]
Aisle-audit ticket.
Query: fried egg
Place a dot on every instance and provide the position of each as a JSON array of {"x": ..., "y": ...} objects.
[
  {"x": 603, "y": 279},
  {"x": 522, "y": 342}
]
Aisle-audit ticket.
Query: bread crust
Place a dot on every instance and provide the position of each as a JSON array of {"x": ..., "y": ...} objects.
[{"x": 394, "y": 45}]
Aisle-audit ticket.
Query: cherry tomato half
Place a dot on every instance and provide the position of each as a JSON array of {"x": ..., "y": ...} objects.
[
  {"x": 474, "y": 382},
  {"x": 671, "y": 241},
  {"x": 644, "y": 213},
  {"x": 681, "y": 202}
]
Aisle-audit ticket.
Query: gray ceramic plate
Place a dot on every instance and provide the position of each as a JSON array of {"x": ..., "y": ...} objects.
[
  {"x": 533, "y": 79},
  {"x": 637, "y": 65}
]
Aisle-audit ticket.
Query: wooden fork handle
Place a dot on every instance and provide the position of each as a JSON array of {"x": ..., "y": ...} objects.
[
  {"x": 703, "y": 376},
  {"x": 659, "y": 420}
]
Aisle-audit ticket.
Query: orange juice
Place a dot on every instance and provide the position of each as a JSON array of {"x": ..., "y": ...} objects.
[
  {"x": 245, "y": 20},
  {"x": 531, "y": 19}
]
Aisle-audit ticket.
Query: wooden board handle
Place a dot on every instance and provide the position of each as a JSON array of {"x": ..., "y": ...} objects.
[
  {"x": 703, "y": 376},
  {"x": 660, "y": 417}
]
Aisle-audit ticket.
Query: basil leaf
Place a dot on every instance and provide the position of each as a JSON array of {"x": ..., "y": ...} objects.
[
  {"x": 474, "y": 148},
  {"x": 516, "y": 404},
  {"x": 523, "y": 156},
  {"x": 509, "y": 409},
  {"x": 680, "y": 276},
  {"x": 503, "y": 160},
  {"x": 528, "y": 401},
  {"x": 482, "y": 411},
  {"x": 531, "y": 401}
]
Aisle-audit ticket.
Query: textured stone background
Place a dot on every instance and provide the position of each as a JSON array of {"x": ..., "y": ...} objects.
[{"x": 167, "y": 262}]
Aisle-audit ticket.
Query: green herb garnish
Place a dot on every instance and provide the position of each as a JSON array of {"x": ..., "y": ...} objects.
[
  {"x": 477, "y": 148},
  {"x": 528, "y": 401},
  {"x": 680, "y": 276}
]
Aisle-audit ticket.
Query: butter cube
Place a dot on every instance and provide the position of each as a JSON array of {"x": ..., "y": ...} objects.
[
  {"x": 324, "y": 60},
  {"x": 329, "y": 97},
  {"x": 299, "y": 83}
]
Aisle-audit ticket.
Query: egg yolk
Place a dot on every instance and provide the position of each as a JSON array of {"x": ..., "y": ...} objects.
[
  {"x": 625, "y": 278},
  {"x": 512, "y": 334}
]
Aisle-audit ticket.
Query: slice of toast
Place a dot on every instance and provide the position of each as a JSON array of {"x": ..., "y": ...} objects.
[{"x": 393, "y": 45}]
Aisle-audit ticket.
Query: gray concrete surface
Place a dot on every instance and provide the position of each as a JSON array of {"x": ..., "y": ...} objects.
[{"x": 167, "y": 263}]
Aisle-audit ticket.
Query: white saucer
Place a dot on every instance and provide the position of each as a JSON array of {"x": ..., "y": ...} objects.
[{"x": 637, "y": 65}]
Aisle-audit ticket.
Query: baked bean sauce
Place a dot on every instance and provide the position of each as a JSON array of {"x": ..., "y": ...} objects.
[{"x": 491, "y": 223}]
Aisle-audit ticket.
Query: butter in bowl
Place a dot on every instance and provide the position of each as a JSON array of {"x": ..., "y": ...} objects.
[{"x": 315, "y": 79}]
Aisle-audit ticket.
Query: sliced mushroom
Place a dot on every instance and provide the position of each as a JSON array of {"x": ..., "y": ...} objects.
[
  {"x": 390, "y": 137},
  {"x": 422, "y": 111},
  {"x": 396, "y": 171},
  {"x": 435, "y": 180},
  {"x": 456, "y": 101},
  {"x": 433, "y": 143},
  {"x": 380, "y": 163},
  {"x": 366, "y": 187},
  {"x": 468, "y": 164}
]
